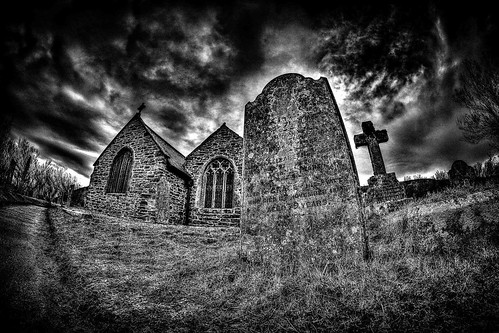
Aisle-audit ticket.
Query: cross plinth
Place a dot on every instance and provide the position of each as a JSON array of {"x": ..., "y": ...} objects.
[{"x": 372, "y": 138}]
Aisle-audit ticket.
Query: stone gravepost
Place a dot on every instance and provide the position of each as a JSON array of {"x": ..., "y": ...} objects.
[
  {"x": 300, "y": 201},
  {"x": 382, "y": 186},
  {"x": 372, "y": 138}
]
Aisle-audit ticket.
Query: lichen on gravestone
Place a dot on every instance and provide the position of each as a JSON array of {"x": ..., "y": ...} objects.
[{"x": 300, "y": 201}]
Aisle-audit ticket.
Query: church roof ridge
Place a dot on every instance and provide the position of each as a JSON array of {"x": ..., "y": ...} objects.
[
  {"x": 163, "y": 140},
  {"x": 175, "y": 158},
  {"x": 211, "y": 135}
]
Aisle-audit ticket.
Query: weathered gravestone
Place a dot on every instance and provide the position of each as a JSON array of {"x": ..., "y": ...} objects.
[
  {"x": 382, "y": 186},
  {"x": 300, "y": 181},
  {"x": 461, "y": 173}
]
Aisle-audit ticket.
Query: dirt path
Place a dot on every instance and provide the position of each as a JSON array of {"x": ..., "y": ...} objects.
[
  {"x": 40, "y": 289},
  {"x": 22, "y": 303}
]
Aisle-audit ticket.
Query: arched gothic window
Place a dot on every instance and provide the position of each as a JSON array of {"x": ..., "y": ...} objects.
[
  {"x": 120, "y": 172},
  {"x": 219, "y": 184}
]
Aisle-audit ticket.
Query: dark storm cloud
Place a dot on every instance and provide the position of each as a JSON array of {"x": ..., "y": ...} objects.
[
  {"x": 59, "y": 151},
  {"x": 174, "y": 120},
  {"x": 376, "y": 48},
  {"x": 243, "y": 24},
  {"x": 74, "y": 67},
  {"x": 74, "y": 71},
  {"x": 394, "y": 110},
  {"x": 428, "y": 136},
  {"x": 431, "y": 133},
  {"x": 67, "y": 120}
]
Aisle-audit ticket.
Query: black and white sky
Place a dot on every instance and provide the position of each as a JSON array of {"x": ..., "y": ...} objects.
[{"x": 73, "y": 72}]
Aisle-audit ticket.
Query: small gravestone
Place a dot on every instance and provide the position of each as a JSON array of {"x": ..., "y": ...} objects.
[
  {"x": 300, "y": 181},
  {"x": 70, "y": 194},
  {"x": 461, "y": 173},
  {"x": 383, "y": 187}
]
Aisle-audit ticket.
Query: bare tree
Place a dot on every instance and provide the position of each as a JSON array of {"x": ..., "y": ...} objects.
[
  {"x": 440, "y": 174},
  {"x": 22, "y": 172},
  {"x": 490, "y": 168},
  {"x": 479, "y": 92},
  {"x": 7, "y": 161},
  {"x": 62, "y": 181},
  {"x": 478, "y": 166},
  {"x": 6, "y": 148},
  {"x": 25, "y": 157}
]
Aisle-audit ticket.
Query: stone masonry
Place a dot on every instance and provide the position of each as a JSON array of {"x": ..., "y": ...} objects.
[
  {"x": 223, "y": 143},
  {"x": 151, "y": 169}
]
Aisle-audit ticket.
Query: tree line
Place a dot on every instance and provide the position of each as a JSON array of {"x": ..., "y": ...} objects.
[
  {"x": 488, "y": 168},
  {"x": 22, "y": 172}
]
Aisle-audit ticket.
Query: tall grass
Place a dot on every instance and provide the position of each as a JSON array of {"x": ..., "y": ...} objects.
[{"x": 437, "y": 273}]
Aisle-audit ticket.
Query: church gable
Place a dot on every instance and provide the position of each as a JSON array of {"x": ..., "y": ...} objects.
[
  {"x": 139, "y": 175},
  {"x": 216, "y": 170},
  {"x": 175, "y": 159}
]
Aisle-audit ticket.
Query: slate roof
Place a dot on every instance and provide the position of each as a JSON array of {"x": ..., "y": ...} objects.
[{"x": 175, "y": 158}]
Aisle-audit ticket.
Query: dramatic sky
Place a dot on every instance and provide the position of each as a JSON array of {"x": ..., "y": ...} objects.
[{"x": 73, "y": 72}]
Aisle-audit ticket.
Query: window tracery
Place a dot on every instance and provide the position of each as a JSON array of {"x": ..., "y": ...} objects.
[{"x": 219, "y": 184}]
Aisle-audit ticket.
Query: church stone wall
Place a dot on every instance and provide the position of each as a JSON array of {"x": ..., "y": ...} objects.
[
  {"x": 226, "y": 144},
  {"x": 149, "y": 169}
]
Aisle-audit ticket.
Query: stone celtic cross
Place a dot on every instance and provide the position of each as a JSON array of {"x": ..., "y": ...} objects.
[{"x": 372, "y": 138}]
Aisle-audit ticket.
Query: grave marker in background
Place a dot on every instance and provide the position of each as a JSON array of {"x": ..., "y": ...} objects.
[
  {"x": 461, "y": 173},
  {"x": 372, "y": 138},
  {"x": 383, "y": 186}
]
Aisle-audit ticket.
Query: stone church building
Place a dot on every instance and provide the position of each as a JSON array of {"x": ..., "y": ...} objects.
[
  {"x": 140, "y": 175},
  {"x": 306, "y": 165}
]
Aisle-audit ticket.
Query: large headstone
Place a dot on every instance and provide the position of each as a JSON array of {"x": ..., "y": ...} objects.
[{"x": 300, "y": 181}]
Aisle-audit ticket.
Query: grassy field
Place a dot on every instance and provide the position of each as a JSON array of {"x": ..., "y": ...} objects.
[{"x": 436, "y": 271}]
